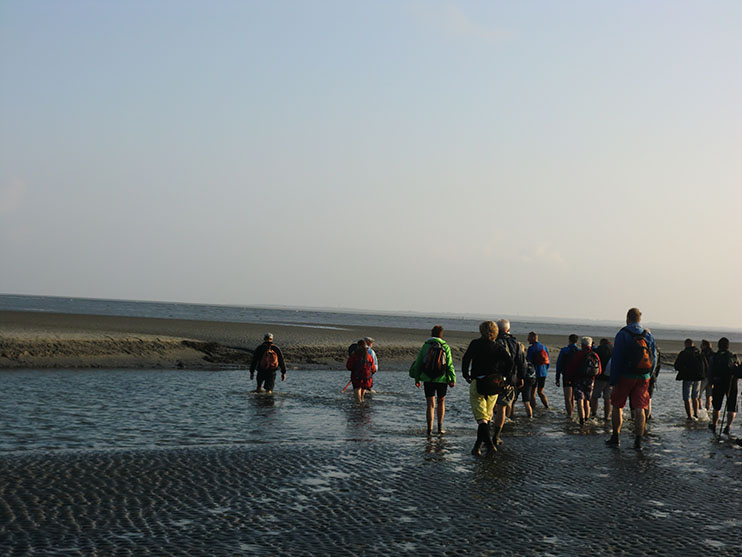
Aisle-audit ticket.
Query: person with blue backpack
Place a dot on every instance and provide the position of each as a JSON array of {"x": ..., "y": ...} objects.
[
  {"x": 434, "y": 369},
  {"x": 632, "y": 364}
]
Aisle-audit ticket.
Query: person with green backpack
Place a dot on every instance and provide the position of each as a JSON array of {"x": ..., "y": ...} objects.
[{"x": 434, "y": 369}]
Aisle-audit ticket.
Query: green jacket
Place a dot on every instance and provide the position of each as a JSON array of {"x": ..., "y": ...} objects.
[{"x": 416, "y": 369}]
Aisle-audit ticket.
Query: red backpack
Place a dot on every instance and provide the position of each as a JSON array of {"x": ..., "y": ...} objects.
[{"x": 592, "y": 366}]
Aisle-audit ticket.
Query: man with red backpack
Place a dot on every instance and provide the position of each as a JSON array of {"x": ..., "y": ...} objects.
[
  {"x": 434, "y": 368},
  {"x": 582, "y": 370},
  {"x": 632, "y": 364},
  {"x": 267, "y": 358}
]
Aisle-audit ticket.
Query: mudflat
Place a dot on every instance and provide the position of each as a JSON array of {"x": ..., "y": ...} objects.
[{"x": 57, "y": 340}]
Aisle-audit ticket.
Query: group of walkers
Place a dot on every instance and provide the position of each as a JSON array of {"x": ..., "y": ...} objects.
[
  {"x": 499, "y": 369},
  {"x": 712, "y": 375}
]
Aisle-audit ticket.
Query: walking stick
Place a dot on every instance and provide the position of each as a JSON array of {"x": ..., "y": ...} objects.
[
  {"x": 726, "y": 404},
  {"x": 347, "y": 385}
]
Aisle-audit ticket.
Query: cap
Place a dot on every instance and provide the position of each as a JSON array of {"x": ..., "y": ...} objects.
[
  {"x": 268, "y": 336},
  {"x": 368, "y": 340}
]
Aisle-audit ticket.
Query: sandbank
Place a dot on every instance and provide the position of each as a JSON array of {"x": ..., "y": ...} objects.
[{"x": 54, "y": 340}]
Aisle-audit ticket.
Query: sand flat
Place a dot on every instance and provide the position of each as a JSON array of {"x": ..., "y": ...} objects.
[{"x": 48, "y": 340}]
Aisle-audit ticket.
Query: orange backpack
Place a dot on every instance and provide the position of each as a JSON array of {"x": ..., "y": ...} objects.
[{"x": 269, "y": 361}]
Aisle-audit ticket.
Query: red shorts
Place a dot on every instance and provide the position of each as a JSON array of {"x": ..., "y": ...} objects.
[{"x": 638, "y": 389}]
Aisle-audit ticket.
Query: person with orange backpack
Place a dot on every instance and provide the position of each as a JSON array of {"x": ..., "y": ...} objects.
[
  {"x": 632, "y": 363},
  {"x": 434, "y": 368},
  {"x": 538, "y": 355},
  {"x": 267, "y": 358}
]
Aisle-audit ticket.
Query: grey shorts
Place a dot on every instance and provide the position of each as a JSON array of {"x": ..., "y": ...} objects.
[{"x": 602, "y": 389}]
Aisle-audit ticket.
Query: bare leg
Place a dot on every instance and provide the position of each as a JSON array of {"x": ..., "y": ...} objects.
[
  {"x": 594, "y": 405},
  {"x": 606, "y": 408},
  {"x": 441, "y": 413},
  {"x": 542, "y": 396},
  {"x": 730, "y": 419},
  {"x": 569, "y": 401},
  {"x": 715, "y": 418},
  {"x": 429, "y": 412},
  {"x": 529, "y": 408},
  {"x": 359, "y": 395},
  {"x": 581, "y": 406},
  {"x": 499, "y": 422},
  {"x": 688, "y": 410},
  {"x": 617, "y": 420},
  {"x": 639, "y": 422}
]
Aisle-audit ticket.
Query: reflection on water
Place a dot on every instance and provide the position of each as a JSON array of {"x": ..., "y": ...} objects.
[{"x": 64, "y": 409}]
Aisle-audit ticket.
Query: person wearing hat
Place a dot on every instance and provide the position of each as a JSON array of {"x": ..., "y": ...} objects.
[
  {"x": 267, "y": 358},
  {"x": 369, "y": 344}
]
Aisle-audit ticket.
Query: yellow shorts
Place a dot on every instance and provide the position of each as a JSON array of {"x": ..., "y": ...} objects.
[{"x": 481, "y": 406}]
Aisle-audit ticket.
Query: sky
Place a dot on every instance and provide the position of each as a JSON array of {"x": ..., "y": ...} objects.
[{"x": 536, "y": 158}]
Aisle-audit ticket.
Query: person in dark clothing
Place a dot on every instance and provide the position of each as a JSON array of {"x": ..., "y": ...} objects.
[
  {"x": 267, "y": 358},
  {"x": 490, "y": 365},
  {"x": 565, "y": 354},
  {"x": 602, "y": 387},
  {"x": 691, "y": 367},
  {"x": 724, "y": 372},
  {"x": 514, "y": 378},
  {"x": 708, "y": 353}
]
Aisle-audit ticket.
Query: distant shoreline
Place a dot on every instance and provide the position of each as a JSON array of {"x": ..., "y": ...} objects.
[{"x": 41, "y": 340}]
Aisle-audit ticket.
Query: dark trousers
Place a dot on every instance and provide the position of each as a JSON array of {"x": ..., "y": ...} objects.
[{"x": 267, "y": 378}]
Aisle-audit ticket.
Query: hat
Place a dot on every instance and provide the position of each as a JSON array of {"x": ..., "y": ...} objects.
[
  {"x": 368, "y": 340},
  {"x": 268, "y": 336}
]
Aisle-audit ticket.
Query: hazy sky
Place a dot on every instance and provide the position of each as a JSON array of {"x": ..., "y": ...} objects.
[{"x": 570, "y": 158}]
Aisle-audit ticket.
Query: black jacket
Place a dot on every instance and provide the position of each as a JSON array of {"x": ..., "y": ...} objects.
[{"x": 486, "y": 357}]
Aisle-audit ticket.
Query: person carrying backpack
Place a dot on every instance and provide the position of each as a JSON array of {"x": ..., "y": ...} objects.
[
  {"x": 582, "y": 370},
  {"x": 565, "y": 354},
  {"x": 490, "y": 366},
  {"x": 267, "y": 358},
  {"x": 691, "y": 367},
  {"x": 433, "y": 368},
  {"x": 602, "y": 385},
  {"x": 538, "y": 355},
  {"x": 724, "y": 372},
  {"x": 515, "y": 379},
  {"x": 362, "y": 368},
  {"x": 632, "y": 364}
]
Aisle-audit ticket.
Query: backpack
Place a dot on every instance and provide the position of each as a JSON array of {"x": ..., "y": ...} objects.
[
  {"x": 530, "y": 372},
  {"x": 591, "y": 367},
  {"x": 511, "y": 346},
  {"x": 434, "y": 361},
  {"x": 363, "y": 368},
  {"x": 541, "y": 358},
  {"x": 640, "y": 359},
  {"x": 269, "y": 360},
  {"x": 700, "y": 365}
]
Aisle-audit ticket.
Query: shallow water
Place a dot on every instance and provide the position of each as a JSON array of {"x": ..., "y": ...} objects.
[{"x": 153, "y": 462}]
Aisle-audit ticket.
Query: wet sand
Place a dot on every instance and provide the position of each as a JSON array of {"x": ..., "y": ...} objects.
[
  {"x": 189, "y": 462},
  {"x": 51, "y": 340},
  {"x": 368, "y": 498}
]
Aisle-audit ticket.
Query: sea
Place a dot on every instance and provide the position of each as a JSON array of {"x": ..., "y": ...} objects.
[
  {"x": 192, "y": 462},
  {"x": 327, "y": 317}
]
